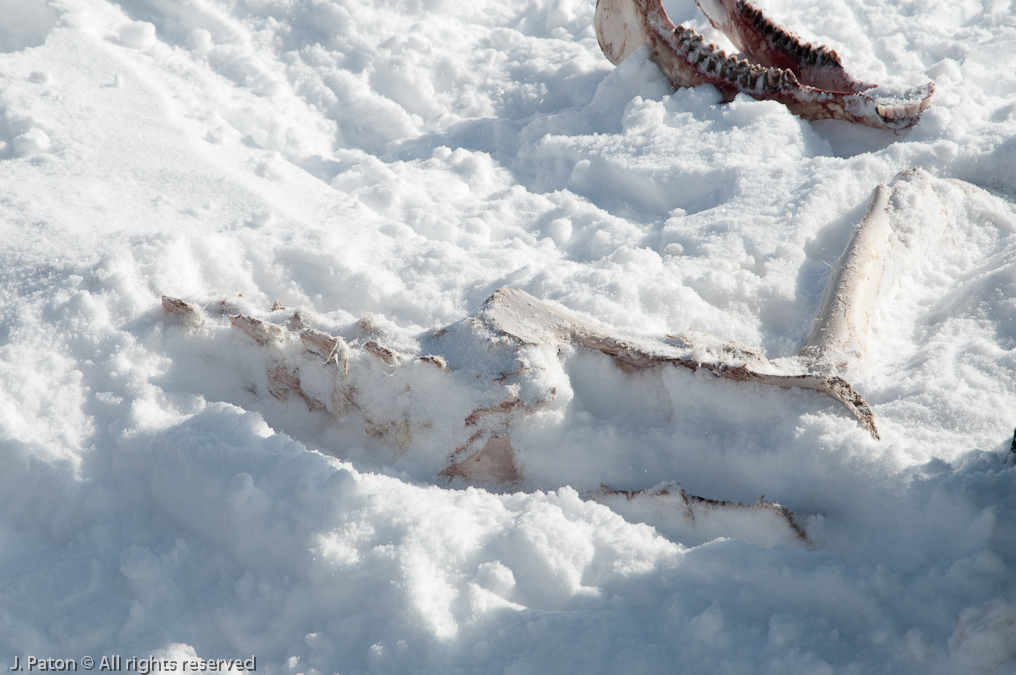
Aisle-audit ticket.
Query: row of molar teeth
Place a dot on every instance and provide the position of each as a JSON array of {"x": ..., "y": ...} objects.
[
  {"x": 753, "y": 78},
  {"x": 775, "y": 77},
  {"x": 805, "y": 52},
  {"x": 693, "y": 44},
  {"x": 811, "y": 55},
  {"x": 713, "y": 61},
  {"x": 736, "y": 71}
]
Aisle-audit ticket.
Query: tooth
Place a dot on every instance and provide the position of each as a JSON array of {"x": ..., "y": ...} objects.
[
  {"x": 913, "y": 109},
  {"x": 881, "y": 110}
]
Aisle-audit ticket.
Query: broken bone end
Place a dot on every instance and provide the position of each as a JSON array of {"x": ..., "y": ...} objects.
[{"x": 495, "y": 463}]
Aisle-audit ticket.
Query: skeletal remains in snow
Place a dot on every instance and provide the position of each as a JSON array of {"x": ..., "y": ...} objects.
[
  {"x": 511, "y": 321},
  {"x": 809, "y": 79}
]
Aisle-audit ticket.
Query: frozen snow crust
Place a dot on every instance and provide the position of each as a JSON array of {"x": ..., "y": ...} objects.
[{"x": 403, "y": 160}]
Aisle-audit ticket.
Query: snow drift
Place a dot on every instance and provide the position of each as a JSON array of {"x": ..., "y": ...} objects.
[{"x": 383, "y": 168}]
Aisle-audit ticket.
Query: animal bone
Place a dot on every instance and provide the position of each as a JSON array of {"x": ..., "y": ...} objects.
[
  {"x": 659, "y": 505},
  {"x": 808, "y": 79},
  {"x": 493, "y": 354},
  {"x": 494, "y": 463},
  {"x": 841, "y": 328},
  {"x": 509, "y": 322},
  {"x": 511, "y": 316},
  {"x": 523, "y": 317}
]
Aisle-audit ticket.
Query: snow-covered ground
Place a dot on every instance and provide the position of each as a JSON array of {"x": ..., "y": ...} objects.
[{"x": 383, "y": 167}]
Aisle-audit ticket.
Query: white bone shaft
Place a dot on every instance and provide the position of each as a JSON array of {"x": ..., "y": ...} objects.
[{"x": 843, "y": 322}]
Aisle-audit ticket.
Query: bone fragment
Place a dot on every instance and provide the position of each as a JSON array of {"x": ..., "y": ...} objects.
[
  {"x": 434, "y": 359},
  {"x": 281, "y": 381},
  {"x": 260, "y": 331},
  {"x": 668, "y": 502},
  {"x": 842, "y": 327},
  {"x": 331, "y": 349},
  {"x": 178, "y": 307},
  {"x": 387, "y": 356},
  {"x": 494, "y": 463}
]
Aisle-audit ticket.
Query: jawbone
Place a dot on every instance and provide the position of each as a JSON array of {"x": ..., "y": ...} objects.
[{"x": 808, "y": 79}]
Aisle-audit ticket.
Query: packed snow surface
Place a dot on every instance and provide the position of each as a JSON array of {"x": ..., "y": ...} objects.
[{"x": 382, "y": 167}]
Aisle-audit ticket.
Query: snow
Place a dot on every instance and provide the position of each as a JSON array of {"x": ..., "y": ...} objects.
[{"x": 382, "y": 168}]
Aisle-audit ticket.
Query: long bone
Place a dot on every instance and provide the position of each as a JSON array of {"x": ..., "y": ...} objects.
[
  {"x": 840, "y": 333},
  {"x": 808, "y": 79},
  {"x": 841, "y": 329},
  {"x": 517, "y": 314}
]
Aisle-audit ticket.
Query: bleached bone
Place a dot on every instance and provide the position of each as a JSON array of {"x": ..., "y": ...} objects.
[
  {"x": 841, "y": 329},
  {"x": 281, "y": 381},
  {"x": 178, "y": 307},
  {"x": 262, "y": 332},
  {"x": 326, "y": 346},
  {"x": 385, "y": 354},
  {"x": 495, "y": 463},
  {"x": 808, "y": 79},
  {"x": 669, "y": 507},
  {"x": 525, "y": 318}
]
